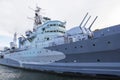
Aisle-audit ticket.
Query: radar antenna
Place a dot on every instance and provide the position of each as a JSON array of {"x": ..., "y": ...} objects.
[{"x": 37, "y": 9}]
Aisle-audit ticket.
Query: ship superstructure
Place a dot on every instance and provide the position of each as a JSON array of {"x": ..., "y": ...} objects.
[
  {"x": 49, "y": 47},
  {"x": 44, "y": 31}
]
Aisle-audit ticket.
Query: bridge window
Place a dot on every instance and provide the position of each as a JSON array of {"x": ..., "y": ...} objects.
[
  {"x": 48, "y": 38},
  {"x": 51, "y": 25},
  {"x": 54, "y": 24},
  {"x": 55, "y": 31},
  {"x": 43, "y": 29}
]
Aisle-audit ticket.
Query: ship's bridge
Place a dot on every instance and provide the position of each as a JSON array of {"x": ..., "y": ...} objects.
[{"x": 51, "y": 29}]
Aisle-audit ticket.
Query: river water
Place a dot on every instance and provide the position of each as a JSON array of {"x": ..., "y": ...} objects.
[{"x": 8, "y": 73}]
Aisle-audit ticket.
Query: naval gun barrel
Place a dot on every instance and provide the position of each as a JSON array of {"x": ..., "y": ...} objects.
[
  {"x": 83, "y": 20},
  {"x": 87, "y": 21},
  {"x": 93, "y": 22}
]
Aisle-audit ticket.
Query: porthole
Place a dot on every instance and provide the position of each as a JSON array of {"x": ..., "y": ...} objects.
[
  {"x": 98, "y": 60},
  {"x": 81, "y": 46},
  {"x": 65, "y": 48},
  {"x": 109, "y": 42},
  {"x": 75, "y": 47},
  {"x": 93, "y": 44}
]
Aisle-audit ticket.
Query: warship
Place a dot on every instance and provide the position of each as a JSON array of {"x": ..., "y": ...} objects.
[{"x": 50, "y": 47}]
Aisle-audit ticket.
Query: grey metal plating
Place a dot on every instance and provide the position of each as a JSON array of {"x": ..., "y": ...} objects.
[{"x": 49, "y": 47}]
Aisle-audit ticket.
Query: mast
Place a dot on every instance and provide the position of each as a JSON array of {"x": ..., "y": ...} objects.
[
  {"x": 15, "y": 37},
  {"x": 13, "y": 44},
  {"x": 38, "y": 17}
]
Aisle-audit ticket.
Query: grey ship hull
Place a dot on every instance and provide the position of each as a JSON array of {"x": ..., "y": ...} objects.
[{"x": 98, "y": 55}]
